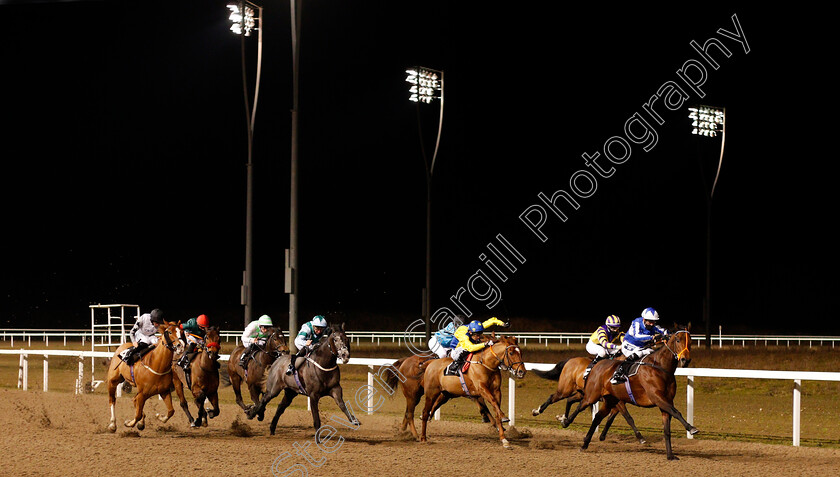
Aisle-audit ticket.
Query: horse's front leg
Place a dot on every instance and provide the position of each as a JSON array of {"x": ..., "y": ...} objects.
[
  {"x": 202, "y": 413},
  {"x": 288, "y": 396},
  {"x": 599, "y": 416},
  {"x": 182, "y": 400},
  {"x": 214, "y": 401},
  {"x": 316, "y": 414},
  {"x": 170, "y": 411},
  {"x": 338, "y": 396},
  {"x": 666, "y": 431},
  {"x": 489, "y": 397},
  {"x": 667, "y": 405},
  {"x": 139, "y": 403},
  {"x": 622, "y": 408}
]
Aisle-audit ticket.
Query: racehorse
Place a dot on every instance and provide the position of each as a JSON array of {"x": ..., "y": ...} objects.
[
  {"x": 204, "y": 372},
  {"x": 652, "y": 385},
  {"x": 275, "y": 346},
  {"x": 318, "y": 375},
  {"x": 570, "y": 383},
  {"x": 482, "y": 379},
  {"x": 153, "y": 376},
  {"x": 410, "y": 370}
]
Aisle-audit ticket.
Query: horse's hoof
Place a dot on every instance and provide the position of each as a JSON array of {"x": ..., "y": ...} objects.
[
  {"x": 642, "y": 441},
  {"x": 193, "y": 425},
  {"x": 261, "y": 417},
  {"x": 505, "y": 419},
  {"x": 141, "y": 425},
  {"x": 673, "y": 457},
  {"x": 693, "y": 430},
  {"x": 112, "y": 427},
  {"x": 204, "y": 422},
  {"x": 506, "y": 444},
  {"x": 535, "y": 412}
]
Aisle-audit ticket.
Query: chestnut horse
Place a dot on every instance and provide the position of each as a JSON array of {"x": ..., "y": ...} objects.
[
  {"x": 274, "y": 347},
  {"x": 204, "y": 373},
  {"x": 409, "y": 377},
  {"x": 482, "y": 379},
  {"x": 570, "y": 382},
  {"x": 652, "y": 385},
  {"x": 151, "y": 375}
]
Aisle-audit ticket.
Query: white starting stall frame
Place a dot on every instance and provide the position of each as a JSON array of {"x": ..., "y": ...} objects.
[{"x": 111, "y": 329}]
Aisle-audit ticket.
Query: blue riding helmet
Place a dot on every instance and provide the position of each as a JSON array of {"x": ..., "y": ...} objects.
[{"x": 475, "y": 327}]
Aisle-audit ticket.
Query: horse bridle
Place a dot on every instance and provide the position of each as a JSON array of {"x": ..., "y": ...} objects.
[
  {"x": 506, "y": 355},
  {"x": 684, "y": 350},
  {"x": 170, "y": 344}
]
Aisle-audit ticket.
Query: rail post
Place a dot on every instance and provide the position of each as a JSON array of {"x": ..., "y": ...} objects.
[
  {"x": 689, "y": 404},
  {"x": 797, "y": 396}
]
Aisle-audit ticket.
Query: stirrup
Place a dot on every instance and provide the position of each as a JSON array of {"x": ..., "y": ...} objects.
[{"x": 290, "y": 369}]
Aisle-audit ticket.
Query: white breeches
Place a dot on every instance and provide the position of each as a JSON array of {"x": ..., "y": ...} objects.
[
  {"x": 437, "y": 348},
  {"x": 630, "y": 350},
  {"x": 597, "y": 350}
]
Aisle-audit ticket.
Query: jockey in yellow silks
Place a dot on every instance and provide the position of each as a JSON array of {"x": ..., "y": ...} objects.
[{"x": 469, "y": 339}]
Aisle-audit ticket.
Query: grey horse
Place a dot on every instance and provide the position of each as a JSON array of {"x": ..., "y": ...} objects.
[{"x": 318, "y": 375}]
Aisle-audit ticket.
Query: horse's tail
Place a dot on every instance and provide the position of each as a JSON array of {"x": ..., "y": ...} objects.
[
  {"x": 552, "y": 373},
  {"x": 224, "y": 377},
  {"x": 393, "y": 379}
]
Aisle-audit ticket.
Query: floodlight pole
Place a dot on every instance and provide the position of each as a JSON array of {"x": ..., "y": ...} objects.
[
  {"x": 292, "y": 257},
  {"x": 430, "y": 168},
  {"x": 246, "y": 295},
  {"x": 707, "y": 295}
]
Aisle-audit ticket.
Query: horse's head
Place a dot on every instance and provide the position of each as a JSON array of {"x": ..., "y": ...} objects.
[
  {"x": 171, "y": 332},
  {"x": 338, "y": 342},
  {"x": 212, "y": 342},
  {"x": 276, "y": 343},
  {"x": 680, "y": 345},
  {"x": 507, "y": 351}
]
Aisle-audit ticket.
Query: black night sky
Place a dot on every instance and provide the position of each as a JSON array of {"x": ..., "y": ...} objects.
[{"x": 124, "y": 151}]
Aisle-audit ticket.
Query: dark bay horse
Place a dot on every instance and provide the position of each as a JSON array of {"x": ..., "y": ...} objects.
[
  {"x": 482, "y": 379},
  {"x": 318, "y": 375},
  {"x": 275, "y": 346},
  {"x": 652, "y": 385},
  {"x": 412, "y": 388},
  {"x": 570, "y": 383},
  {"x": 151, "y": 375},
  {"x": 204, "y": 372}
]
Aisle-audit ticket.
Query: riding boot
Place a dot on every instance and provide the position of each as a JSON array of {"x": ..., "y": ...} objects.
[
  {"x": 620, "y": 374},
  {"x": 246, "y": 355},
  {"x": 291, "y": 369},
  {"x": 184, "y": 362},
  {"x": 457, "y": 363}
]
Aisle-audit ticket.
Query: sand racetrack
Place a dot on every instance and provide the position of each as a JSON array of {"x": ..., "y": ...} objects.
[{"x": 62, "y": 434}]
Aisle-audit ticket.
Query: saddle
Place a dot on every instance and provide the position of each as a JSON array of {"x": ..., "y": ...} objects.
[
  {"x": 452, "y": 369},
  {"x": 129, "y": 357}
]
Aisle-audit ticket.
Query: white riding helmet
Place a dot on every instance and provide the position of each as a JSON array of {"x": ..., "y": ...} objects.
[
  {"x": 265, "y": 320},
  {"x": 319, "y": 320},
  {"x": 650, "y": 314}
]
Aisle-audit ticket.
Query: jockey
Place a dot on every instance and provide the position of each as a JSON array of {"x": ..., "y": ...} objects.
[
  {"x": 605, "y": 341},
  {"x": 469, "y": 340},
  {"x": 142, "y": 334},
  {"x": 255, "y": 332},
  {"x": 442, "y": 342},
  {"x": 642, "y": 334},
  {"x": 195, "y": 329},
  {"x": 308, "y": 336}
]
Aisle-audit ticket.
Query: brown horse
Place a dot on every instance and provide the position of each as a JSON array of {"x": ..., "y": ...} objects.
[
  {"x": 274, "y": 347},
  {"x": 204, "y": 373},
  {"x": 152, "y": 376},
  {"x": 652, "y": 385},
  {"x": 570, "y": 383},
  {"x": 412, "y": 388},
  {"x": 482, "y": 379}
]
